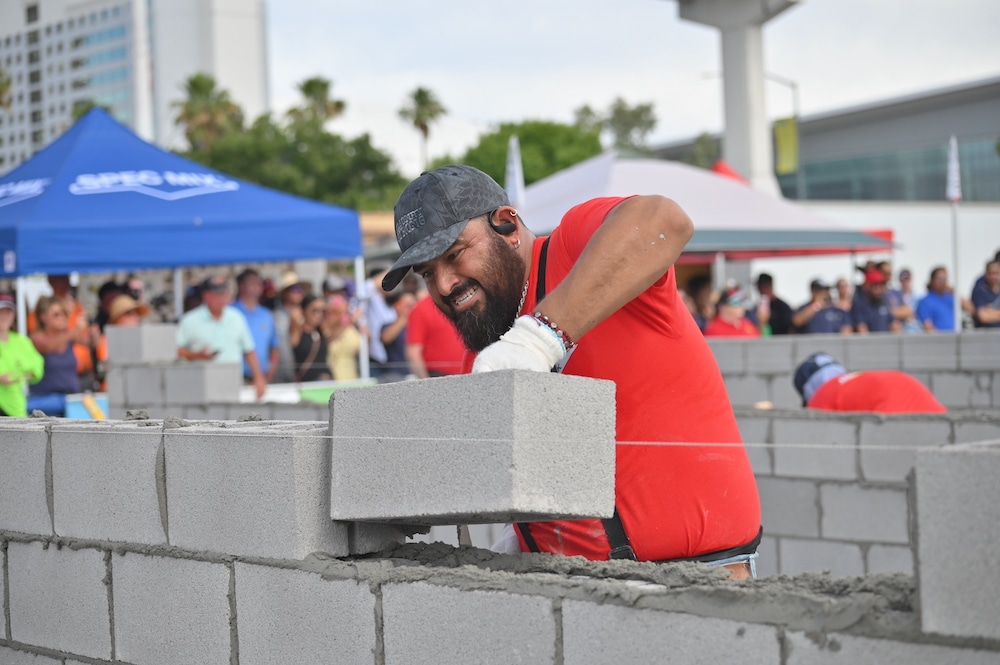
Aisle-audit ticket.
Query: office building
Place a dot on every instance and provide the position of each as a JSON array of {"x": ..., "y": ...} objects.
[
  {"x": 131, "y": 56},
  {"x": 896, "y": 149}
]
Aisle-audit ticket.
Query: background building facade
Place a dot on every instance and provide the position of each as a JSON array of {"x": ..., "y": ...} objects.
[{"x": 132, "y": 56}]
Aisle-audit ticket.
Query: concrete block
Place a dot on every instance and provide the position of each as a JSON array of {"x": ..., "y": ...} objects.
[
  {"x": 979, "y": 350},
  {"x": 58, "y": 599},
  {"x": 772, "y": 355},
  {"x": 789, "y": 507},
  {"x": 889, "y": 559},
  {"x": 957, "y": 505},
  {"x": 838, "y": 648},
  {"x": 202, "y": 382},
  {"x": 782, "y": 393},
  {"x": 12, "y": 657},
  {"x": 252, "y": 489},
  {"x": 976, "y": 432},
  {"x": 815, "y": 556},
  {"x": 815, "y": 447},
  {"x": 730, "y": 354},
  {"x": 767, "y": 562},
  {"x": 963, "y": 390},
  {"x": 504, "y": 460},
  {"x": 144, "y": 344},
  {"x": 424, "y": 624},
  {"x": 855, "y": 512},
  {"x": 104, "y": 482},
  {"x": 761, "y": 458},
  {"x": 23, "y": 503},
  {"x": 806, "y": 345},
  {"x": 746, "y": 390},
  {"x": 170, "y": 611},
  {"x": 144, "y": 384},
  {"x": 930, "y": 352},
  {"x": 874, "y": 351},
  {"x": 598, "y": 634},
  {"x": 291, "y": 616},
  {"x": 117, "y": 389},
  {"x": 887, "y": 449}
]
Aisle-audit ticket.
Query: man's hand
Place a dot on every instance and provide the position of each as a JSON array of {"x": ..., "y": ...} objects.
[
  {"x": 527, "y": 345},
  {"x": 259, "y": 384}
]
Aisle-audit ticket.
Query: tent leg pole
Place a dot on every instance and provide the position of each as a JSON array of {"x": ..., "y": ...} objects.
[
  {"x": 719, "y": 272},
  {"x": 178, "y": 293},
  {"x": 361, "y": 293}
]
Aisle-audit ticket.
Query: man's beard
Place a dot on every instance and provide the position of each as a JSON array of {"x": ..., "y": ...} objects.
[{"x": 501, "y": 287}]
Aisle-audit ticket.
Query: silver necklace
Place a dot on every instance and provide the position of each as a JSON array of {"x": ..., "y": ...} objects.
[{"x": 524, "y": 294}]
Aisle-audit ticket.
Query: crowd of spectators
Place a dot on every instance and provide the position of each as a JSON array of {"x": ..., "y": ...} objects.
[
  {"x": 65, "y": 350},
  {"x": 287, "y": 333},
  {"x": 873, "y": 304}
]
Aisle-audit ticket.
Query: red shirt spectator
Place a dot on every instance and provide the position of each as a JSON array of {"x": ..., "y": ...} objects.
[{"x": 433, "y": 345}]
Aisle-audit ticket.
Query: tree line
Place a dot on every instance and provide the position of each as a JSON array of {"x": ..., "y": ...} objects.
[{"x": 298, "y": 153}]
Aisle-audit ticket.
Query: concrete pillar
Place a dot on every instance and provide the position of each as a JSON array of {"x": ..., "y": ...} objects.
[{"x": 747, "y": 139}]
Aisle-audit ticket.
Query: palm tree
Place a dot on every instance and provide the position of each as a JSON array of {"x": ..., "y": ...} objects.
[
  {"x": 207, "y": 113},
  {"x": 5, "y": 85},
  {"x": 319, "y": 106},
  {"x": 423, "y": 108}
]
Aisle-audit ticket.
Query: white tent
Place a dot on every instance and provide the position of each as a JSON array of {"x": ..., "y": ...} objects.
[{"x": 729, "y": 217}]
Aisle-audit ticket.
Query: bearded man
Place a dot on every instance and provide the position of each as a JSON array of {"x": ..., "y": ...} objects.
[{"x": 597, "y": 298}]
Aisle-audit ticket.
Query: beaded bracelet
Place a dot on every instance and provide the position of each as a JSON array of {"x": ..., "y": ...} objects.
[{"x": 567, "y": 341}]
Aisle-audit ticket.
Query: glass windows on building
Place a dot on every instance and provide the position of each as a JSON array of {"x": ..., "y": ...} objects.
[{"x": 911, "y": 175}]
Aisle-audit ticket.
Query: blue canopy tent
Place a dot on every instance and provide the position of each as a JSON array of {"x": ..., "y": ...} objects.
[{"x": 100, "y": 199}]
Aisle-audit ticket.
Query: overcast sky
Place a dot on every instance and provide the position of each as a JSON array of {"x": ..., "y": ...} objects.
[{"x": 493, "y": 61}]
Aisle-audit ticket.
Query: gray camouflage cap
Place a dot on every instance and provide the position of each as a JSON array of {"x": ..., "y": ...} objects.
[{"x": 433, "y": 210}]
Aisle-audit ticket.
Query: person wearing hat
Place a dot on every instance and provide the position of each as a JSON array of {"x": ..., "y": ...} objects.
[
  {"x": 217, "y": 331},
  {"x": 20, "y": 362},
  {"x": 291, "y": 291},
  {"x": 731, "y": 319},
  {"x": 597, "y": 298},
  {"x": 824, "y": 384},
  {"x": 820, "y": 315},
  {"x": 871, "y": 310}
]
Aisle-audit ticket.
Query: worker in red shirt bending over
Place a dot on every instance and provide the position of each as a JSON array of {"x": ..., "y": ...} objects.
[
  {"x": 824, "y": 384},
  {"x": 597, "y": 298}
]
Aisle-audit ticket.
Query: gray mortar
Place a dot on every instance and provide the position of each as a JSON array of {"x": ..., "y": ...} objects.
[
  {"x": 876, "y": 606},
  {"x": 109, "y": 583},
  {"x": 6, "y": 590}
]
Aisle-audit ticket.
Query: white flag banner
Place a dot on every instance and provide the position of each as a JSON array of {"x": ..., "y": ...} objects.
[
  {"x": 953, "y": 190},
  {"x": 514, "y": 176}
]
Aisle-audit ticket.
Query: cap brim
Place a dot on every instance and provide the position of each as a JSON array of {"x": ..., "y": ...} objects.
[{"x": 427, "y": 249}]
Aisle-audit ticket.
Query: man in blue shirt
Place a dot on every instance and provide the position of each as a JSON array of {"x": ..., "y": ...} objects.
[
  {"x": 249, "y": 288},
  {"x": 986, "y": 297},
  {"x": 936, "y": 310},
  {"x": 819, "y": 315},
  {"x": 870, "y": 311}
]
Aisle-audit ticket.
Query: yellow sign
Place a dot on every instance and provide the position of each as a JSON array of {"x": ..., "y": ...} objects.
[{"x": 786, "y": 146}]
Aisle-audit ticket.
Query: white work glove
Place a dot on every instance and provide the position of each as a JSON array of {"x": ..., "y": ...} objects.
[{"x": 527, "y": 345}]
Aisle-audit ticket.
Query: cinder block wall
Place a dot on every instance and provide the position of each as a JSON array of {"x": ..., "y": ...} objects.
[
  {"x": 834, "y": 486},
  {"x": 962, "y": 370},
  {"x": 152, "y": 542}
]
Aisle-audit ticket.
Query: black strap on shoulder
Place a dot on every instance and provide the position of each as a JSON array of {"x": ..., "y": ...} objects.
[
  {"x": 621, "y": 548},
  {"x": 748, "y": 548},
  {"x": 540, "y": 282},
  {"x": 529, "y": 540}
]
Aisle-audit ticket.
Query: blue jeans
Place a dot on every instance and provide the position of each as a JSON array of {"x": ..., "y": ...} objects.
[{"x": 739, "y": 558}]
